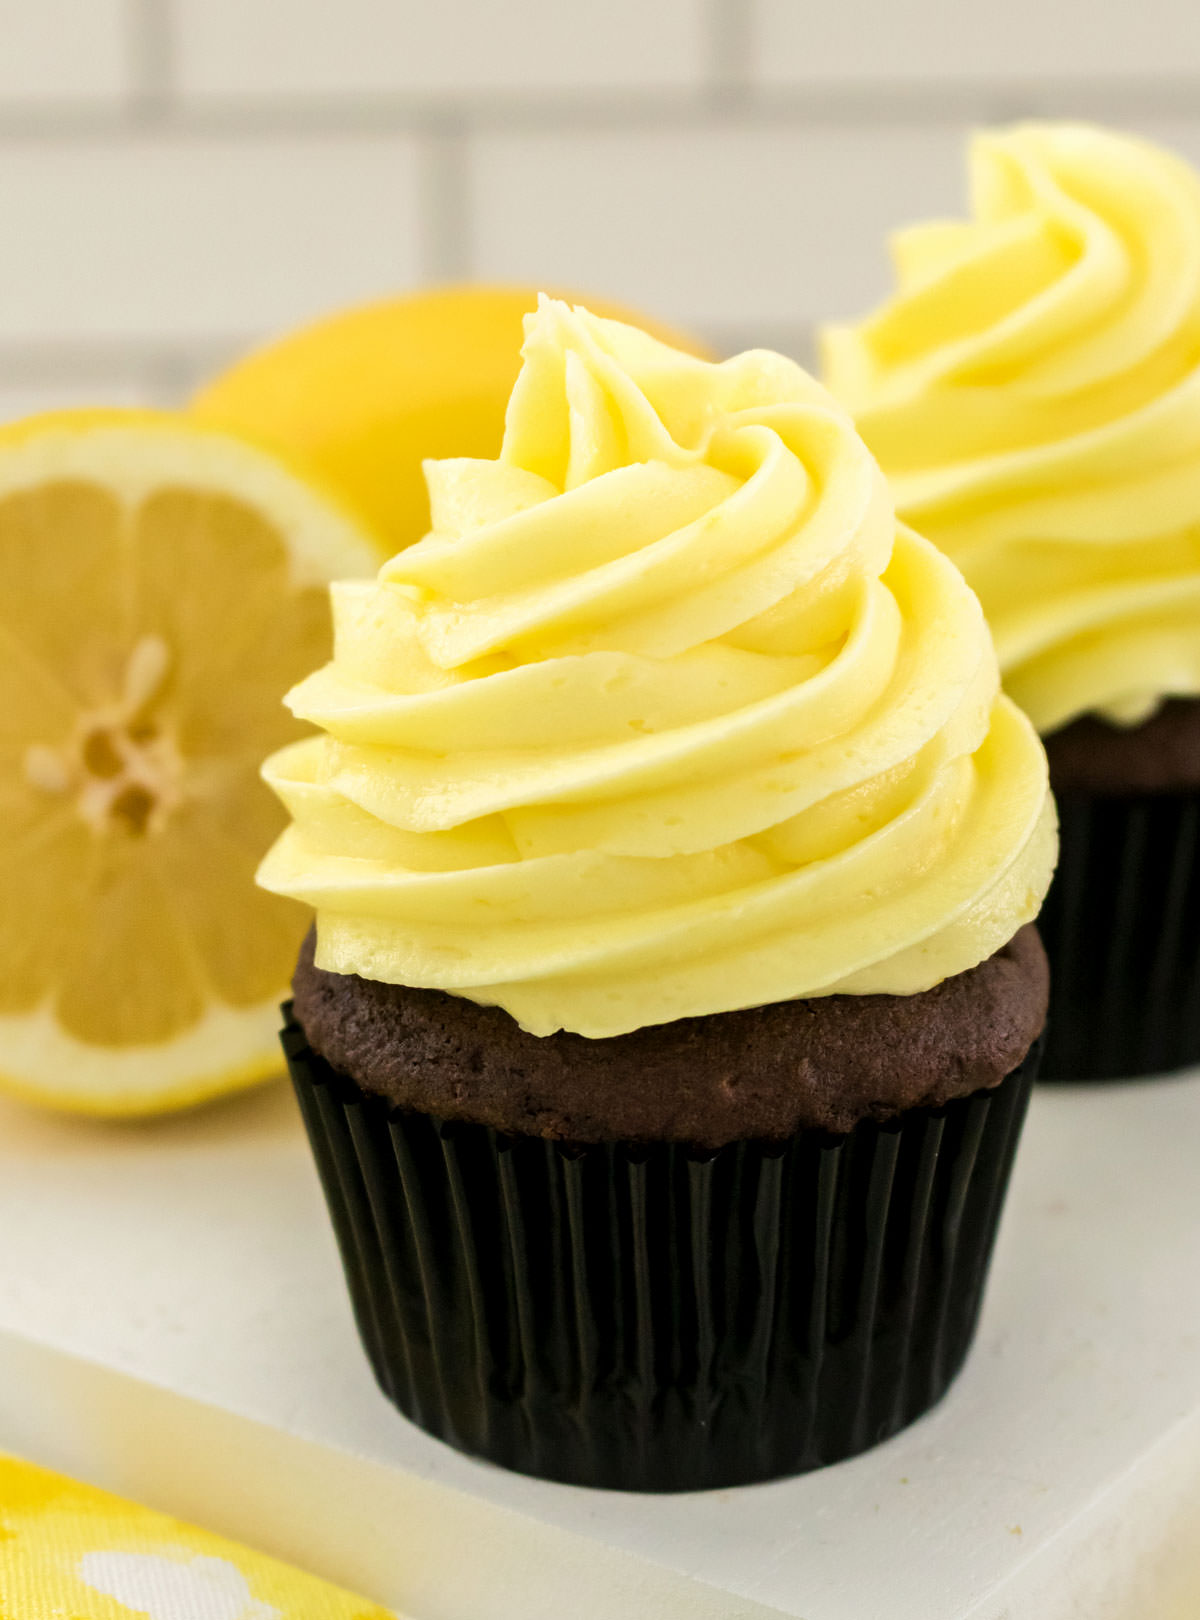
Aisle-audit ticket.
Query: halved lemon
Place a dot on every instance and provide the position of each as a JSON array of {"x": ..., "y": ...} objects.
[
  {"x": 364, "y": 395},
  {"x": 161, "y": 587}
]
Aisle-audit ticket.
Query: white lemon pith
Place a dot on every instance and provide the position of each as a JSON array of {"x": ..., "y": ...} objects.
[{"x": 161, "y": 585}]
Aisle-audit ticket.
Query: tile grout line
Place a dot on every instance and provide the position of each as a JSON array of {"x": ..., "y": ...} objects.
[
  {"x": 151, "y": 62},
  {"x": 171, "y": 376},
  {"x": 728, "y": 99},
  {"x": 443, "y": 202},
  {"x": 165, "y": 366},
  {"x": 729, "y": 28}
]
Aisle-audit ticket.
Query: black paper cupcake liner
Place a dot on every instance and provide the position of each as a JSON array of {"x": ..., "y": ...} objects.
[
  {"x": 649, "y": 1317},
  {"x": 1121, "y": 927}
]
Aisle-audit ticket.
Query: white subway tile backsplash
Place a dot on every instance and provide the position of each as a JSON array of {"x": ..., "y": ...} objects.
[
  {"x": 199, "y": 238},
  {"x": 720, "y": 227},
  {"x": 240, "y": 48},
  {"x": 62, "y": 51},
  {"x": 1018, "y": 42},
  {"x": 725, "y": 163}
]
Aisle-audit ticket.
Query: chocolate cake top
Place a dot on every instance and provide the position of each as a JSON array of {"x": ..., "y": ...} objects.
[
  {"x": 1162, "y": 755},
  {"x": 762, "y": 1073}
]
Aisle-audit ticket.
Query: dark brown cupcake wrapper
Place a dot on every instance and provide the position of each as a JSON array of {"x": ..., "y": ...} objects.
[
  {"x": 649, "y": 1317},
  {"x": 1121, "y": 926}
]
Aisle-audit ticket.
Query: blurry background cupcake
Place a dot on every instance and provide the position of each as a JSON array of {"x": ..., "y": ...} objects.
[
  {"x": 1032, "y": 390},
  {"x": 667, "y": 1034}
]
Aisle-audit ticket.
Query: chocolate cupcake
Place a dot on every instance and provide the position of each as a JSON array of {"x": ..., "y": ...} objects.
[
  {"x": 1033, "y": 392},
  {"x": 1122, "y": 919},
  {"x": 670, "y": 1017}
]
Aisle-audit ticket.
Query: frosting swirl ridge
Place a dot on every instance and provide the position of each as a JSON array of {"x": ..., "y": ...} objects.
[
  {"x": 1032, "y": 391},
  {"x": 664, "y": 717}
]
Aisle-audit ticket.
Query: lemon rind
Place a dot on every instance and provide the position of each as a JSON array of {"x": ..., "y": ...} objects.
[{"x": 75, "y": 1077}]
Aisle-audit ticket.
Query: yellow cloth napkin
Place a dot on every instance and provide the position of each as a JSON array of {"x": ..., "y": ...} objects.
[{"x": 71, "y": 1552}]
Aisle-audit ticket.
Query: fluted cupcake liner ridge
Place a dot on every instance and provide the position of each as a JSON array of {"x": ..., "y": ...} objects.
[
  {"x": 651, "y": 1317},
  {"x": 1121, "y": 926}
]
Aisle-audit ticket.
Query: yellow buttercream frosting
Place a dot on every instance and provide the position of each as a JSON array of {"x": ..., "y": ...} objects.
[
  {"x": 664, "y": 717},
  {"x": 1033, "y": 392}
]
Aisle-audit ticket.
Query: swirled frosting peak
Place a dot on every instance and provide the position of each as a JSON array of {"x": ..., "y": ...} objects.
[
  {"x": 664, "y": 717},
  {"x": 1033, "y": 392}
]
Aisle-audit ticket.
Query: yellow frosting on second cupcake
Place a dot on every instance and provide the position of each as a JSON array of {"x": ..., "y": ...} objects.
[
  {"x": 663, "y": 718},
  {"x": 1033, "y": 393}
]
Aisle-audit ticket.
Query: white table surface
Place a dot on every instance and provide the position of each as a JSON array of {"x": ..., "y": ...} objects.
[{"x": 1061, "y": 1476}]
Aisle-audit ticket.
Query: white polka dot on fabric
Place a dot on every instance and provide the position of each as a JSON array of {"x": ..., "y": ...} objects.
[{"x": 164, "y": 1588}]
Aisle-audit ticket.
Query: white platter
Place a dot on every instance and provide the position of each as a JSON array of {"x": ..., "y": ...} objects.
[{"x": 173, "y": 1324}]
